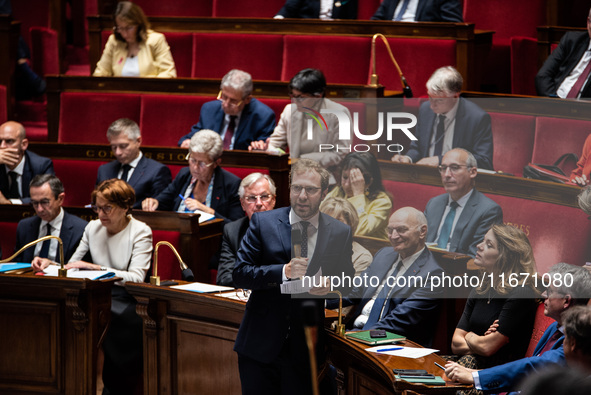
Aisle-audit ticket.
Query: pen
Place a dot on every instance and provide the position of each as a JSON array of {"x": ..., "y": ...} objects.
[
  {"x": 390, "y": 349},
  {"x": 439, "y": 366},
  {"x": 181, "y": 196}
]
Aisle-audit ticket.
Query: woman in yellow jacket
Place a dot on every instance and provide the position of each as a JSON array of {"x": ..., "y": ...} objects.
[{"x": 133, "y": 50}]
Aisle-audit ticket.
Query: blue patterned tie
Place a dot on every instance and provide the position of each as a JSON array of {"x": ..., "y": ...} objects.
[
  {"x": 304, "y": 225},
  {"x": 402, "y": 10},
  {"x": 447, "y": 225},
  {"x": 439, "y": 136}
]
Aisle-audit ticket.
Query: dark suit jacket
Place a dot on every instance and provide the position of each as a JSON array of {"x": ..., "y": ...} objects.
[
  {"x": 561, "y": 62},
  {"x": 476, "y": 219},
  {"x": 34, "y": 164},
  {"x": 148, "y": 179},
  {"x": 224, "y": 199},
  {"x": 257, "y": 122},
  {"x": 271, "y": 316},
  {"x": 233, "y": 234},
  {"x": 505, "y": 377},
  {"x": 427, "y": 11},
  {"x": 28, "y": 230},
  {"x": 411, "y": 311},
  {"x": 472, "y": 132},
  {"x": 311, "y": 9}
]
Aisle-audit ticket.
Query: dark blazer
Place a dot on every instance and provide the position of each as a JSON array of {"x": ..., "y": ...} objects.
[
  {"x": 472, "y": 132},
  {"x": 148, "y": 179},
  {"x": 427, "y": 11},
  {"x": 561, "y": 62},
  {"x": 233, "y": 234},
  {"x": 271, "y": 316},
  {"x": 224, "y": 199},
  {"x": 311, "y": 9},
  {"x": 476, "y": 219},
  {"x": 411, "y": 311},
  {"x": 505, "y": 377},
  {"x": 34, "y": 164},
  {"x": 71, "y": 232},
  {"x": 257, "y": 122}
]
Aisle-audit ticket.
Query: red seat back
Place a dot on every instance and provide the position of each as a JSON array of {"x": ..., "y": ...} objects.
[
  {"x": 247, "y": 8},
  {"x": 366, "y": 8},
  {"x": 181, "y": 48},
  {"x": 405, "y": 194},
  {"x": 541, "y": 323},
  {"x": 7, "y": 238},
  {"x": 168, "y": 265},
  {"x": 44, "y": 51},
  {"x": 513, "y": 139},
  {"x": 78, "y": 177},
  {"x": 277, "y": 105},
  {"x": 186, "y": 8},
  {"x": 3, "y": 105},
  {"x": 242, "y": 172}
]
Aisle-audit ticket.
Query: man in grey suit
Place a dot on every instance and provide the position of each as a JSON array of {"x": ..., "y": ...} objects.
[
  {"x": 147, "y": 177},
  {"x": 47, "y": 197},
  {"x": 459, "y": 219}
]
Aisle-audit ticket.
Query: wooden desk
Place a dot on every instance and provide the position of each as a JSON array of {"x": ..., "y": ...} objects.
[{"x": 51, "y": 331}]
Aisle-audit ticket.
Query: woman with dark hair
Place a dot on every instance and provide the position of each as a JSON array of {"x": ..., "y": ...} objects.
[
  {"x": 361, "y": 185},
  {"x": 134, "y": 50},
  {"x": 497, "y": 321},
  {"x": 121, "y": 244}
]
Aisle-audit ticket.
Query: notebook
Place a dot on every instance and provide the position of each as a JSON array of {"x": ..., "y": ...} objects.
[{"x": 364, "y": 337}]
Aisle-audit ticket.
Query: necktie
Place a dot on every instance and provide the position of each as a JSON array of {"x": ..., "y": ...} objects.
[
  {"x": 447, "y": 224},
  {"x": 45, "y": 247},
  {"x": 380, "y": 305},
  {"x": 551, "y": 341},
  {"x": 574, "y": 92},
  {"x": 13, "y": 192},
  {"x": 230, "y": 132},
  {"x": 125, "y": 173},
  {"x": 439, "y": 135},
  {"x": 304, "y": 225},
  {"x": 402, "y": 10}
]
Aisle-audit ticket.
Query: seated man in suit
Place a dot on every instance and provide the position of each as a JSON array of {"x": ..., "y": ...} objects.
[
  {"x": 147, "y": 177},
  {"x": 459, "y": 219},
  {"x": 271, "y": 344},
  {"x": 549, "y": 350},
  {"x": 257, "y": 193},
  {"x": 323, "y": 9},
  {"x": 448, "y": 121},
  {"x": 17, "y": 165},
  {"x": 237, "y": 116},
  {"x": 566, "y": 72},
  {"x": 47, "y": 197},
  {"x": 420, "y": 11},
  {"x": 411, "y": 311}
]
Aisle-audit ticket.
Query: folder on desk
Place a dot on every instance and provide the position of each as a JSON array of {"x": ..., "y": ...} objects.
[
  {"x": 6, "y": 267},
  {"x": 364, "y": 337},
  {"x": 435, "y": 380}
]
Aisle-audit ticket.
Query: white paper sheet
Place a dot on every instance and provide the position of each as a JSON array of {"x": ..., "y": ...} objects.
[
  {"x": 301, "y": 286},
  {"x": 52, "y": 270},
  {"x": 202, "y": 287},
  {"x": 407, "y": 352}
]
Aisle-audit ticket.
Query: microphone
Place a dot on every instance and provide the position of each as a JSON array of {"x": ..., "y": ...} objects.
[
  {"x": 406, "y": 91},
  {"x": 186, "y": 273},
  {"x": 296, "y": 241},
  {"x": 62, "y": 271}
]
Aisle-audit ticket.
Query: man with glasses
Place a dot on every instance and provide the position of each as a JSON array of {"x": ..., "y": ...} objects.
[
  {"x": 47, "y": 197},
  {"x": 257, "y": 193},
  {"x": 459, "y": 219},
  {"x": 569, "y": 286},
  {"x": 271, "y": 346},
  {"x": 147, "y": 176},
  {"x": 237, "y": 116},
  {"x": 566, "y": 72},
  {"x": 448, "y": 121},
  {"x": 18, "y": 166}
]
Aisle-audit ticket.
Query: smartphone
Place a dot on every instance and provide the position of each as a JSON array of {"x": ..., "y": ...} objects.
[
  {"x": 377, "y": 333},
  {"x": 411, "y": 372}
]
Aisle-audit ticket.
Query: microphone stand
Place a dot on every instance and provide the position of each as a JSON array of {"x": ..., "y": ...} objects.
[
  {"x": 406, "y": 91},
  {"x": 186, "y": 272},
  {"x": 309, "y": 313},
  {"x": 62, "y": 271}
]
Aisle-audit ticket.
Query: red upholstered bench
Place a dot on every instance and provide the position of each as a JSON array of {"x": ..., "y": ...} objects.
[
  {"x": 277, "y": 105},
  {"x": 513, "y": 139},
  {"x": 182, "y": 112},
  {"x": 214, "y": 54},
  {"x": 85, "y": 117},
  {"x": 557, "y": 136},
  {"x": 343, "y": 60},
  {"x": 366, "y": 8},
  {"x": 541, "y": 322},
  {"x": 168, "y": 266},
  {"x": 405, "y": 194},
  {"x": 181, "y": 48},
  {"x": 247, "y": 8},
  {"x": 556, "y": 233},
  {"x": 78, "y": 177},
  {"x": 187, "y": 8}
]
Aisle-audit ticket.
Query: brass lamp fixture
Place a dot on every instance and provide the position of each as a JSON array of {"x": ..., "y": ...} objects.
[
  {"x": 406, "y": 91},
  {"x": 186, "y": 272},
  {"x": 62, "y": 271}
]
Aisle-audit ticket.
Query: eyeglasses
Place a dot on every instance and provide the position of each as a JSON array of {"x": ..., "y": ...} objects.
[
  {"x": 231, "y": 102},
  {"x": 452, "y": 168},
  {"x": 310, "y": 191},
  {"x": 124, "y": 29},
  {"x": 43, "y": 203},
  {"x": 202, "y": 165},
  {"x": 301, "y": 97},
  {"x": 105, "y": 209},
  {"x": 253, "y": 198}
]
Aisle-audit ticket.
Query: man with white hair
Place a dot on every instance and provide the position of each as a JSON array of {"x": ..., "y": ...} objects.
[
  {"x": 448, "y": 121},
  {"x": 257, "y": 193},
  {"x": 237, "y": 116}
]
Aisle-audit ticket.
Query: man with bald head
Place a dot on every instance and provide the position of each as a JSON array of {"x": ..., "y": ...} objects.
[
  {"x": 17, "y": 165},
  {"x": 397, "y": 304}
]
